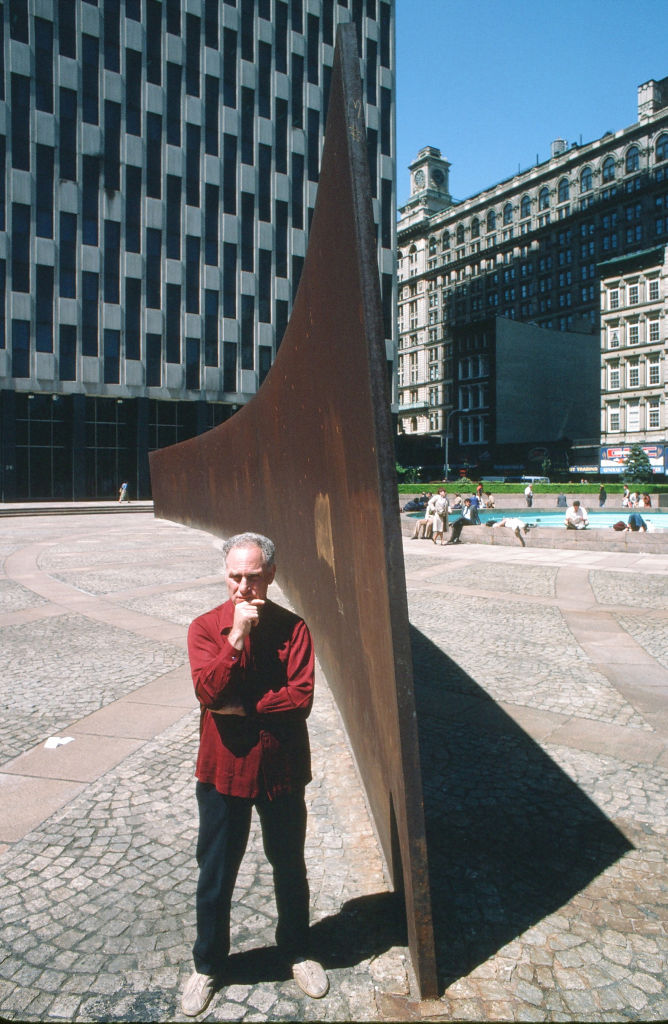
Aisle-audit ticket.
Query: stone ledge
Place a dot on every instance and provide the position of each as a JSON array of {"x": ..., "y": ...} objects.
[{"x": 592, "y": 539}]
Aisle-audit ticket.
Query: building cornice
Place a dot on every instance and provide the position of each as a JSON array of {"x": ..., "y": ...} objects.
[{"x": 538, "y": 175}]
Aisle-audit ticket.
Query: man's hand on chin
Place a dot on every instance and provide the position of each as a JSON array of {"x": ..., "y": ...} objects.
[{"x": 246, "y": 615}]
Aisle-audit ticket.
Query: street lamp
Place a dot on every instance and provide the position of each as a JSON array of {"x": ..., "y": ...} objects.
[{"x": 446, "y": 465}]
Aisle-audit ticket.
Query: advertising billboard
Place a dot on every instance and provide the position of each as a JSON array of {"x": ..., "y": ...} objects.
[{"x": 613, "y": 458}]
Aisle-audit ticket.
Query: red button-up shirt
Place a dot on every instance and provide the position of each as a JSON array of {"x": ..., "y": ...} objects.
[{"x": 267, "y": 750}]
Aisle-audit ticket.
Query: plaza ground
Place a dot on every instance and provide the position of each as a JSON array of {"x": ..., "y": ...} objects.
[{"x": 542, "y": 693}]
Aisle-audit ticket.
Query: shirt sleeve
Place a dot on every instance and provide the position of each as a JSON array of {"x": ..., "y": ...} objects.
[
  {"x": 297, "y": 693},
  {"x": 214, "y": 663}
]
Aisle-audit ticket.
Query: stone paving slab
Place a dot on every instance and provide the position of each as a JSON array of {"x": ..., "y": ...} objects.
[
  {"x": 545, "y": 770},
  {"x": 27, "y": 801},
  {"x": 82, "y": 760}
]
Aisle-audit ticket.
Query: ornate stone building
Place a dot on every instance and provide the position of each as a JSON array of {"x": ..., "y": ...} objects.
[
  {"x": 526, "y": 249},
  {"x": 634, "y": 353}
]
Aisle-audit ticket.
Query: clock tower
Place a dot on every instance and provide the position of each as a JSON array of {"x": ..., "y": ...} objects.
[{"x": 430, "y": 175}]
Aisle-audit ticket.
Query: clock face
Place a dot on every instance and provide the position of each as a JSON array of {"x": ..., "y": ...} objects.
[
  {"x": 419, "y": 178},
  {"x": 437, "y": 177}
]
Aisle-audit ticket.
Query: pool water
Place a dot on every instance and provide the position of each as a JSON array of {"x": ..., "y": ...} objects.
[{"x": 656, "y": 519}]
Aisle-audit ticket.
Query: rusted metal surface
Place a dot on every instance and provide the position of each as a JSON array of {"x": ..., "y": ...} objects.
[{"x": 310, "y": 462}]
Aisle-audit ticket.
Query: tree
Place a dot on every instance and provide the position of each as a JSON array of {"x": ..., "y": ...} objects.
[{"x": 638, "y": 468}]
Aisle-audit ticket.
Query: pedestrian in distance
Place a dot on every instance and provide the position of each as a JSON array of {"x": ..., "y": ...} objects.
[
  {"x": 528, "y": 495},
  {"x": 439, "y": 511},
  {"x": 252, "y": 666},
  {"x": 602, "y": 496}
]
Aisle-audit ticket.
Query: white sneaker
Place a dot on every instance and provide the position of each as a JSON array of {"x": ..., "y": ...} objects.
[
  {"x": 311, "y": 978},
  {"x": 197, "y": 993}
]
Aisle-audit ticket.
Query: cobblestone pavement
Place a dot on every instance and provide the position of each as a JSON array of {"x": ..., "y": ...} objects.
[{"x": 541, "y": 683}]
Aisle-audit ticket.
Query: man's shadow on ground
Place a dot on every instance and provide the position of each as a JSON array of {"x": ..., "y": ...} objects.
[{"x": 510, "y": 837}]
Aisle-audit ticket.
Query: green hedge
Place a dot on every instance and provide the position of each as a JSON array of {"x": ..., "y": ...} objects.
[{"x": 464, "y": 487}]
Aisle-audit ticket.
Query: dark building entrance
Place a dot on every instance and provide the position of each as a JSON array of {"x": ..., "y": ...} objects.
[{"x": 76, "y": 447}]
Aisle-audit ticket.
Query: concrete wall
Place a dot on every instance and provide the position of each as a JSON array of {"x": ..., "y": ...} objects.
[{"x": 547, "y": 384}]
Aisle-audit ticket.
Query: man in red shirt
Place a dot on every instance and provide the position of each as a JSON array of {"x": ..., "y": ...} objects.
[{"x": 252, "y": 665}]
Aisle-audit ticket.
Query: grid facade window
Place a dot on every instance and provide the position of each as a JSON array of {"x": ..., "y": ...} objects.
[
  {"x": 90, "y": 303},
  {"x": 20, "y": 100},
  {"x": 68, "y": 134},
  {"x": 44, "y": 309},
  {"x": 67, "y": 352},
  {"x": 186, "y": 140},
  {"x": 44, "y": 65}
]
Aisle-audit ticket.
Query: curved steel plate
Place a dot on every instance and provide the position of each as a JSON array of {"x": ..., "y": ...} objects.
[{"x": 310, "y": 462}]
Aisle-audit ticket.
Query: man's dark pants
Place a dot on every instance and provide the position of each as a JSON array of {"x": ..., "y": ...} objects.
[
  {"x": 224, "y": 826},
  {"x": 457, "y": 527}
]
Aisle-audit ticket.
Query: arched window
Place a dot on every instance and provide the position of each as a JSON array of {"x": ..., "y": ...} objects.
[
  {"x": 460, "y": 234},
  {"x": 475, "y": 228},
  {"x": 609, "y": 169},
  {"x": 632, "y": 160},
  {"x": 400, "y": 255},
  {"x": 525, "y": 207},
  {"x": 586, "y": 180},
  {"x": 491, "y": 220},
  {"x": 662, "y": 148},
  {"x": 508, "y": 213},
  {"x": 544, "y": 198},
  {"x": 445, "y": 244},
  {"x": 564, "y": 190},
  {"x": 432, "y": 246}
]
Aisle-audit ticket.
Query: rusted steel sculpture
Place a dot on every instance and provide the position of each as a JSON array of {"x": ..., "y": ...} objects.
[{"x": 309, "y": 461}]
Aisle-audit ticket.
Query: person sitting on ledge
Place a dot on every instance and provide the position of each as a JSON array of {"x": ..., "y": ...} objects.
[
  {"x": 469, "y": 517},
  {"x": 576, "y": 517},
  {"x": 635, "y": 522}
]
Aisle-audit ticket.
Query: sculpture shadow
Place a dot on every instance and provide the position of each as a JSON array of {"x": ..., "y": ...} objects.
[
  {"x": 510, "y": 837},
  {"x": 364, "y": 927}
]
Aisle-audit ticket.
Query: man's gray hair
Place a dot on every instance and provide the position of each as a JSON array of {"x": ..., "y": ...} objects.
[{"x": 256, "y": 540}]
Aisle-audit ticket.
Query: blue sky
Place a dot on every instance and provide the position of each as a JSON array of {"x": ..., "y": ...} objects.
[{"x": 492, "y": 82}]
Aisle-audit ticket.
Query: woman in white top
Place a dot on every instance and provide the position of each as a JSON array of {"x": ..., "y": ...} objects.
[{"x": 439, "y": 510}]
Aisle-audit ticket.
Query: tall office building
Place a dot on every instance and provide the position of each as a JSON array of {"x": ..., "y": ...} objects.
[
  {"x": 526, "y": 249},
  {"x": 159, "y": 167}
]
